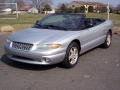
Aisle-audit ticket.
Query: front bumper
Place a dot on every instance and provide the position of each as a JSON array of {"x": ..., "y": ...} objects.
[{"x": 35, "y": 56}]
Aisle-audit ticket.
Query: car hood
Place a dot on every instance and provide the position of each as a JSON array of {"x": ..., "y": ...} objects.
[{"x": 34, "y": 35}]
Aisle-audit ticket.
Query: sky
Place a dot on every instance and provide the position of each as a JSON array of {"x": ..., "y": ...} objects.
[{"x": 113, "y": 2}]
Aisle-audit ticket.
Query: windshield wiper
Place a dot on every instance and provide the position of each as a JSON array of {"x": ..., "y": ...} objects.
[{"x": 57, "y": 27}]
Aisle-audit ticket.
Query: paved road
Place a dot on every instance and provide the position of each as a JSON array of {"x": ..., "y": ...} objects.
[{"x": 99, "y": 69}]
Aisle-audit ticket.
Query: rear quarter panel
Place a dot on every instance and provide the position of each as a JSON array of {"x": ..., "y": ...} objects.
[{"x": 94, "y": 36}]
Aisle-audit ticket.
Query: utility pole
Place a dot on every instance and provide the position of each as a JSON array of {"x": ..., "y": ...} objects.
[
  {"x": 40, "y": 7},
  {"x": 16, "y": 9},
  {"x": 108, "y": 11}
]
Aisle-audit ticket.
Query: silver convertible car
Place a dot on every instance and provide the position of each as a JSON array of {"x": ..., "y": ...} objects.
[{"x": 58, "y": 38}]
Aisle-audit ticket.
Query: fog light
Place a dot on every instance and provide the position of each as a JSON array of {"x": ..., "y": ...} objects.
[{"x": 45, "y": 60}]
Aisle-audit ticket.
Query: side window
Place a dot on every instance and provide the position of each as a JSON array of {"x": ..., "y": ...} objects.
[
  {"x": 82, "y": 24},
  {"x": 89, "y": 23}
]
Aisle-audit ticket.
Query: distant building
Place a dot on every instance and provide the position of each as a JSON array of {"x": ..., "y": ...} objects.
[
  {"x": 96, "y": 5},
  {"x": 22, "y": 10},
  {"x": 50, "y": 12},
  {"x": 33, "y": 10},
  {"x": 19, "y": 11},
  {"x": 6, "y": 11}
]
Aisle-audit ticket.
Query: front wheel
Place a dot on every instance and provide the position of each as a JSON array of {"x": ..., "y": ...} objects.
[
  {"x": 72, "y": 55},
  {"x": 107, "y": 42}
]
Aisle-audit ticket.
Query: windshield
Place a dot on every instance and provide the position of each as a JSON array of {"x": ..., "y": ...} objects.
[{"x": 60, "y": 22}]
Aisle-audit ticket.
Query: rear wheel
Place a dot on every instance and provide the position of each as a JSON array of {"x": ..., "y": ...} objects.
[
  {"x": 107, "y": 42},
  {"x": 72, "y": 55}
]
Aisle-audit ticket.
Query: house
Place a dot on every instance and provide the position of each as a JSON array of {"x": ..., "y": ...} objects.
[
  {"x": 22, "y": 10},
  {"x": 50, "y": 12},
  {"x": 33, "y": 10},
  {"x": 97, "y": 6},
  {"x": 6, "y": 11}
]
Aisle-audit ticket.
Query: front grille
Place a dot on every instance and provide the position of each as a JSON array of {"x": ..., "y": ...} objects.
[{"x": 22, "y": 46}]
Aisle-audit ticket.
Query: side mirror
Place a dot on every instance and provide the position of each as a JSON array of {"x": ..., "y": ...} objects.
[{"x": 37, "y": 22}]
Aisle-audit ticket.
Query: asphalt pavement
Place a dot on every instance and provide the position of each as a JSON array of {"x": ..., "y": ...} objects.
[{"x": 98, "y": 69}]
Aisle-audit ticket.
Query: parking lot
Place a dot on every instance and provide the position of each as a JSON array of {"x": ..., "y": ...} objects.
[{"x": 98, "y": 69}]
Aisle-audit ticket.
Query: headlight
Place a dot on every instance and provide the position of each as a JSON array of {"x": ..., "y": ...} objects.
[
  {"x": 47, "y": 46},
  {"x": 55, "y": 46},
  {"x": 8, "y": 42}
]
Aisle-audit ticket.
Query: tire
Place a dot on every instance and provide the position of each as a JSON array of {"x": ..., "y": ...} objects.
[
  {"x": 108, "y": 39},
  {"x": 72, "y": 55}
]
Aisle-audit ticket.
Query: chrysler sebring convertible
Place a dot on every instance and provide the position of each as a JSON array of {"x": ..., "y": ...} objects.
[{"x": 58, "y": 38}]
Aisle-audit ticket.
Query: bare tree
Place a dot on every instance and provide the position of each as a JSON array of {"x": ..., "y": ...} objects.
[
  {"x": 20, "y": 3},
  {"x": 39, "y": 4},
  {"x": 118, "y": 7}
]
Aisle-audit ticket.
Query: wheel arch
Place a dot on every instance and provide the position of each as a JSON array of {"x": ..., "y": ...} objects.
[
  {"x": 78, "y": 42},
  {"x": 110, "y": 31}
]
